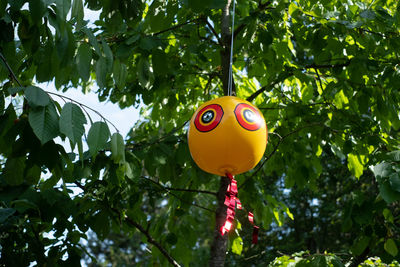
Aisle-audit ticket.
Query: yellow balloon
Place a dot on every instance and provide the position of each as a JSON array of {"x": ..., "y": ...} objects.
[{"x": 227, "y": 135}]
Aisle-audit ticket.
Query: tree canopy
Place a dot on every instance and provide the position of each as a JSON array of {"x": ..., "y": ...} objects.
[{"x": 325, "y": 74}]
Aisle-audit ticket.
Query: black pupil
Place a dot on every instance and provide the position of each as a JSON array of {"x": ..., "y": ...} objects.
[
  {"x": 249, "y": 115},
  {"x": 207, "y": 116}
]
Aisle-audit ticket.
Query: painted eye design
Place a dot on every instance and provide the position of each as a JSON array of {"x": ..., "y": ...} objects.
[
  {"x": 208, "y": 118},
  {"x": 248, "y": 117}
]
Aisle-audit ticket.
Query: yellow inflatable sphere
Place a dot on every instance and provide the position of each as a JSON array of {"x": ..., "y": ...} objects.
[{"x": 227, "y": 135}]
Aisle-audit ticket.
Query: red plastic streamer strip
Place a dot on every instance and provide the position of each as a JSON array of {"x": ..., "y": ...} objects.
[{"x": 233, "y": 202}]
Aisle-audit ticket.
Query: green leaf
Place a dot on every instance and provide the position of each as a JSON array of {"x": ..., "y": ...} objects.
[
  {"x": 33, "y": 174},
  {"x": 6, "y": 213},
  {"x": 394, "y": 155},
  {"x": 144, "y": 73},
  {"x": 237, "y": 245},
  {"x": 63, "y": 7},
  {"x": 390, "y": 247},
  {"x": 340, "y": 100},
  {"x": 72, "y": 122},
  {"x": 77, "y": 13},
  {"x": 117, "y": 148},
  {"x": 120, "y": 73},
  {"x": 15, "y": 90},
  {"x": 36, "y": 96},
  {"x": 108, "y": 54},
  {"x": 93, "y": 41},
  {"x": 394, "y": 180},
  {"x": 97, "y": 137},
  {"x": 360, "y": 245},
  {"x": 171, "y": 238},
  {"x": 14, "y": 171},
  {"x": 44, "y": 122},
  {"x": 83, "y": 60},
  {"x": 368, "y": 14},
  {"x": 101, "y": 72},
  {"x": 159, "y": 62},
  {"x": 354, "y": 165},
  {"x": 101, "y": 224},
  {"x": 382, "y": 170},
  {"x": 387, "y": 193}
]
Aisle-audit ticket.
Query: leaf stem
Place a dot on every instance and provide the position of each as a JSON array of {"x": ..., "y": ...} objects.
[{"x": 9, "y": 69}]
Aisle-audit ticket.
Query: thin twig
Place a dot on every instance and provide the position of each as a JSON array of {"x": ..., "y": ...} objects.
[
  {"x": 278, "y": 80},
  {"x": 133, "y": 146},
  {"x": 85, "y": 106},
  {"x": 214, "y": 32},
  {"x": 181, "y": 189},
  {"x": 189, "y": 190},
  {"x": 319, "y": 79},
  {"x": 150, "y": 239},
  {"x": 9, "y": 69},
  {"x": 276, "y": 148},
  {"x": 175, "y": 27}
]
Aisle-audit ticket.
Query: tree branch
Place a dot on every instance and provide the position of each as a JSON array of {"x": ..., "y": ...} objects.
[
  {"x": 151, "y": 240},
  {"x": 188, "y": 190},
  {"x": 180, "y": 189},
  {"x": 133, "y": 146},
  {"x": 175, "y": 27},
  {"x": 278, "y": 80},
  {"x": 214, "y": 32},
  {"x": 328, "y": 66},
  {"x": 281, "y": 139},
  {"x": 12, "y": 74}
]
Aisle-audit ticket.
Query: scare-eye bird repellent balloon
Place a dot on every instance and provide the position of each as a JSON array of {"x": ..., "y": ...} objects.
[{"x": 228, "y": 136}]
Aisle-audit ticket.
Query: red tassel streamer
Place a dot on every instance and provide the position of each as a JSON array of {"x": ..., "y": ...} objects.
[{"x": 233, "y": 202}]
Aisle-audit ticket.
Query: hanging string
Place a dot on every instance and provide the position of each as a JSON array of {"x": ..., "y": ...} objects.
[{"x": 230, "y": 78}]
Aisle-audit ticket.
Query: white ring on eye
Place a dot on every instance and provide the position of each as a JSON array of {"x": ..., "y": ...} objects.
[{"x": 207, "y": 116}]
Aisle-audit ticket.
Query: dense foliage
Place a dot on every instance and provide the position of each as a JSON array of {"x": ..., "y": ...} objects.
[{"x": 325, "y": 74}]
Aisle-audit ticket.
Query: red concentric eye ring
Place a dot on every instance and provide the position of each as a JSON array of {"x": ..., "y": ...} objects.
[
  {"x": 248, "y": 117},
  {"x": 208, "y": 117}
]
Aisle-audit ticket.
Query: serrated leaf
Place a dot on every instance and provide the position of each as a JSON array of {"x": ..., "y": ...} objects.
[
  {"x": 120, "y": 73},
  {"x": 101, "y": 72},
  {"x": 391, "y": 247},
  {"x": 237, "y": 245},
  {"x": 117, "y": 148},
  {"x": 97, "y": 137},
  {"x": 83, "y": 60},
  {"x": 13, "y": 172},
  {"x": 108, "y": 55},
  {"x": 36, "y": 96},
  {"x": 354, "y": 165},
  {"x": 93, "y": 41},
  {"x": 6, "y": 213},
  {"x": 72, "y": 122},
  {"x": 44, "y": 122},
  {"x": 77, "y": 12}
]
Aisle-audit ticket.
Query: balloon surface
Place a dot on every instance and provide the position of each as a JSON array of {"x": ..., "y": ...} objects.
[{"x": 227, "y": 135}]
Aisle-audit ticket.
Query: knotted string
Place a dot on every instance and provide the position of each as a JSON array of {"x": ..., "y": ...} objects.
[{"x": 232, "y": 202}]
